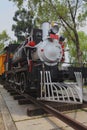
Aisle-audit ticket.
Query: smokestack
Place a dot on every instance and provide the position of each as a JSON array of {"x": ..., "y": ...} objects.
[{"x": 45, "y": 28}]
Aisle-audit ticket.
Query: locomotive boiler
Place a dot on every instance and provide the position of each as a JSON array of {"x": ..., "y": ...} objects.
[{"x": 34, "y": 66}]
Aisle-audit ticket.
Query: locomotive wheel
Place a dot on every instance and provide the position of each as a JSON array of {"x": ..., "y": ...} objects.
[
  {"x": 23, "y": 82},
  {"x": 12, "y": 79},
  {"x": 15, "y": 80}
]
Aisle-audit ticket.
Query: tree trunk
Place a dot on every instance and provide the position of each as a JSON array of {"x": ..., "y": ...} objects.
[{"x": 79, "y": 52}]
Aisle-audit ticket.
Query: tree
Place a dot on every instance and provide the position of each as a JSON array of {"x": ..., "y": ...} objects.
[
  {"x": 23, "y": 19},
  {"x": 3, "y": 39},
  {"x": 69, "y": 12},
  {"x": 83, "y": 46},
  {"x": 18, "y": 2}
]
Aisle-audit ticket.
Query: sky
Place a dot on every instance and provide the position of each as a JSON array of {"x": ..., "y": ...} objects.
[{"x": 7, "y": 10}]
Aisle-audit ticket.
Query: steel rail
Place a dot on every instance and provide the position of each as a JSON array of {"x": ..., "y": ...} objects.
[{"x": 69, "y": 121}]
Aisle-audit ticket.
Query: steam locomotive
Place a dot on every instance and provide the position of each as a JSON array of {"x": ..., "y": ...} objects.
[
  {"x": 42, "y": 48},
  {"x": 33, "y": 68}
]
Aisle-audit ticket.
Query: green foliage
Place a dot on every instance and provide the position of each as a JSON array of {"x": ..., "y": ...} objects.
[
  {"x": 1, "y": 46},
  {"x": 83, "y": 46},
  {"x": 4, "y": 36},
  {"x": 83, "y": 13},
  {"x": 23, "y": 19},
  {"x": 3, "y": 39},
  {"x": 14, "y": 42},
  {"x": 18, "y": 2}
]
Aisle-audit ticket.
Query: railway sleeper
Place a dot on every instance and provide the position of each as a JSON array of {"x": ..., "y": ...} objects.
[
  {"x": 6, "y": 86},
  {"x": 13, "y": 93},
  {"x": 17, "y": 97},
  {"x": 24, "y": 101},
  {"x": 10, "y": 90},
  {"x": 68, "y": 107},
  {"x": 35, "y": 112}
]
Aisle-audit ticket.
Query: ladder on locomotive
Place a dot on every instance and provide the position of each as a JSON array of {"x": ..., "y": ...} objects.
[{"x": 61, "y": 92}]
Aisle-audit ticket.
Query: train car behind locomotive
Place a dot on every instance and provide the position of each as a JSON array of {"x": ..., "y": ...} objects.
[{"x": 34, "y": 67}]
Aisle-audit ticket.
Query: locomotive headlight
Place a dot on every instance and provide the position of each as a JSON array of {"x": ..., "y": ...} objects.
[{"x": 55, "y": 29}]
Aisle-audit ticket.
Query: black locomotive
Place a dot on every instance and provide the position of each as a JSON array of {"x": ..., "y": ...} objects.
[
  {"x": 41, "y": 51},
  {"x": 32, "y": 67}
]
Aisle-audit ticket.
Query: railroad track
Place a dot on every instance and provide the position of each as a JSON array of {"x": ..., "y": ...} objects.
[{"x": 50, "y": 107}]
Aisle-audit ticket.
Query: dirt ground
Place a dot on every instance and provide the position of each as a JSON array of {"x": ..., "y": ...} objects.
[{"x": 1, "y": 122}]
